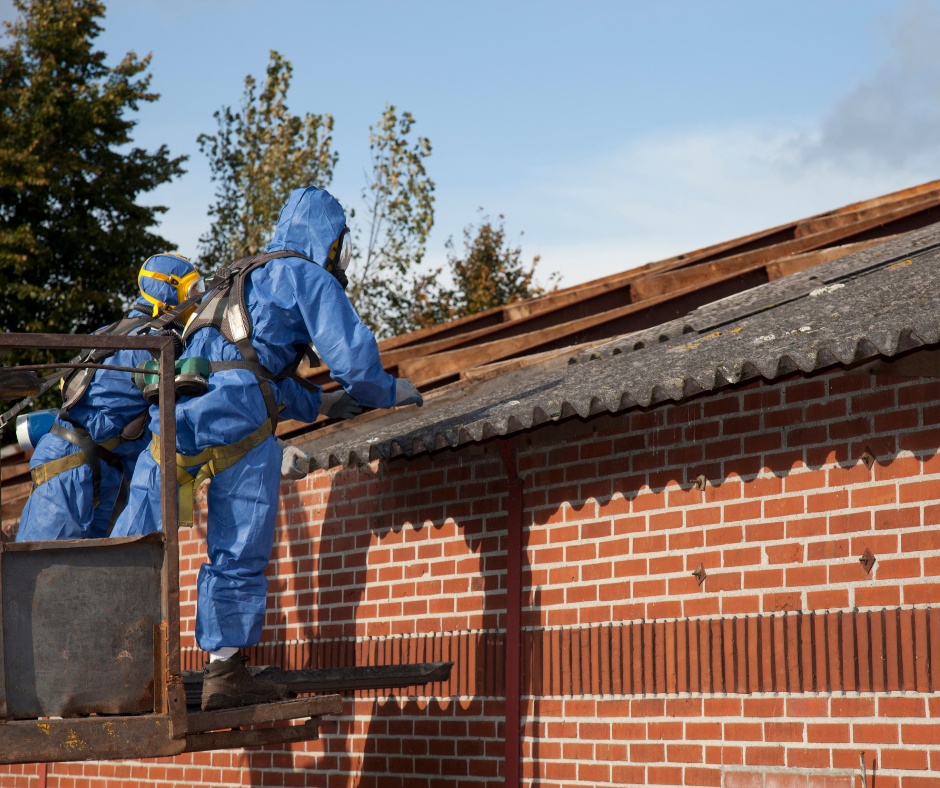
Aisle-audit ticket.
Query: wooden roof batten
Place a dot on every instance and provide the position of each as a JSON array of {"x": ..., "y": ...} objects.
[
  {"x": 664, "y": 290},
  {"x": 721, "y": 250}
]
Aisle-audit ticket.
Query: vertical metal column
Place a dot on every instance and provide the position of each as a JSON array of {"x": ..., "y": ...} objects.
[
  {"x": 513, "y": 613},
  {"x": 175, "y": 697}
]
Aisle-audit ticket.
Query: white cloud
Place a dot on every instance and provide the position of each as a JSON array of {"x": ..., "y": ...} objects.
[
  {"x": 665, "y": 196},
  {"x": 892, "y": 118},
  {"x": 674, "y": 193}
]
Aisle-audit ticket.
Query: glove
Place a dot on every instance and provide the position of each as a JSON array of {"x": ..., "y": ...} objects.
[
  {"x": 339, "y": 405},
  {"x": 295, "y": 464},
  {"x": 407, "y": 394}
]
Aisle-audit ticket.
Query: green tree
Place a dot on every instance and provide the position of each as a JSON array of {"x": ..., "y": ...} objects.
[
  {"x": 257, "y": 157},
  {"x": 399, "y": 199},
  {"x": 72, "y": 234},
  {"x": 490, "y": 273}
]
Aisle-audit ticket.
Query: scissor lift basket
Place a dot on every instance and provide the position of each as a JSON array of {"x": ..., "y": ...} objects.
[{"x": 90, "y": 636}]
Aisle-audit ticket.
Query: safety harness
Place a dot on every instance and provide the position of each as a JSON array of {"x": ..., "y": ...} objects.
[
  {"x": 92, "y": 454},
  {"x": 213, "y": 460},
  {"x": 76, "y": 382},
  {"x": 74, "y": 386},
  {"x": 224, "y": 309}
]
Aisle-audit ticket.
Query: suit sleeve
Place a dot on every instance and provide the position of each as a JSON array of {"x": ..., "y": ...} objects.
[
  {"x": 299, "y": 403},
  {"x": 342, "y": 340}
]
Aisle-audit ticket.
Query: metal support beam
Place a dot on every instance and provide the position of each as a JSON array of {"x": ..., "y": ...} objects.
[
  {"x": 513, "y": 612},
  {"x": 244, "y": 716},
  {"x": 230, "y": 740},
  {"x": 174, "y": 695},
  {"x": 360, "y": 677},
  {"x": 88, "y": 738}
]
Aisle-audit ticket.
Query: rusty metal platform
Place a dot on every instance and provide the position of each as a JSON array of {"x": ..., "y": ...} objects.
[
  {"x": 366, "y": 677},
  {"x": 78, "y": 626},
  {"x": 89, "y": 630},
  {"x": 90, "y": 633},
  {"x": 148, "y": 735},
  {"x": 212, "y": 730}
]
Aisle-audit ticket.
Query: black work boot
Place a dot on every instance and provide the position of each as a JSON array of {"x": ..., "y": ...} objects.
[{"x": 227, "y": 683}]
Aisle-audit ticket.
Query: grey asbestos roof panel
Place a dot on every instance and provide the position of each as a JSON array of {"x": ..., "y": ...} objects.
[{"x": 880, "y": 301}]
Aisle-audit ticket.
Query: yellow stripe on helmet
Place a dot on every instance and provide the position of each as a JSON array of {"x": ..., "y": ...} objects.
[{"x": 181, "y": 284}]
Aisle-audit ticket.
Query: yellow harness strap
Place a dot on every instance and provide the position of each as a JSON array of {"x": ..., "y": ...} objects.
[
  {"x": 49, "y": 470},
  {"x": 213, "y": 460}
]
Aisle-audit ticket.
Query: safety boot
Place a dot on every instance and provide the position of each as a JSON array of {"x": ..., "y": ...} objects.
[{"x": 227, "y": 683}]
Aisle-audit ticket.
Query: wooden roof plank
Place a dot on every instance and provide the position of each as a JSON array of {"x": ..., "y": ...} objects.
[
  {"x": 427, "y": 368},
  {"x": 643, "y": 288},
  {"x": 500, "y": 315}
]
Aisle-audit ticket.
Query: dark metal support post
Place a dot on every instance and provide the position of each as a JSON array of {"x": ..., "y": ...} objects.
[
  {"x": 175, "y": 695},
  {"x": 513, "y": 614}
]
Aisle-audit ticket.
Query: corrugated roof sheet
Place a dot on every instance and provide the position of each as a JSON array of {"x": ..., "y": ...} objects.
[{"x": 878, "y": 302}]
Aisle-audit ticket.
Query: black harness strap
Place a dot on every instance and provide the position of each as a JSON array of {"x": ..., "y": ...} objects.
[
  {"x": 270, "y": 401},
  {"x": 255, "y": 369},
  {"x": 290, "y": 371},
  {"x": 226, "y": 310},
  {"x": 226, "y": 290},
  {"x": 76, "y": 383}
]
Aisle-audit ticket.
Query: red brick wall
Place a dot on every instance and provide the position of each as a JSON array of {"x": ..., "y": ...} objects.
[{"x": 389, "y": 561}]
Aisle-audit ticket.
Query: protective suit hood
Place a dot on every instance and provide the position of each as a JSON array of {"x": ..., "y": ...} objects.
[
  {"x": 309, "y": 223},
  {"x": 159, "y": 290}
]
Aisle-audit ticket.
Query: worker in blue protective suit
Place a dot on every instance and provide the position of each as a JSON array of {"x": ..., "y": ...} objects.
[
  {"x": 291, "y": 296},
  {"x": 82, "y": 467}
]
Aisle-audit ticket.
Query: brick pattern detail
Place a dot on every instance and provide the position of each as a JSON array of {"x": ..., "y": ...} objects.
[
  {"x": 734, "y": 742},
  {"x": 890, "y": 650}
]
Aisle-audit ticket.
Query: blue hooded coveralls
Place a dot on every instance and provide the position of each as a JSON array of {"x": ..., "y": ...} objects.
[
  {"x": 291, "y": 301},
  {"x": 63, "y": 507}
]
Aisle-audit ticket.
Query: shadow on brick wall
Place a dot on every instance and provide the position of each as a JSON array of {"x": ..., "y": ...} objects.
[{"x": 399, "y": 562}]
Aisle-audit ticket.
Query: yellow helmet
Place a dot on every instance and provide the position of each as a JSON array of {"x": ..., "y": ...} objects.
[{"x": 166, "y": 280}]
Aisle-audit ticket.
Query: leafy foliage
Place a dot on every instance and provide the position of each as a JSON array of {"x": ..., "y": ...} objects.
[
  {"x": 399, "y": 199},
  {"x": 72, "y": 235},
  {"x": 490, "y": 273},
  {"x": 258, "y": 156}
]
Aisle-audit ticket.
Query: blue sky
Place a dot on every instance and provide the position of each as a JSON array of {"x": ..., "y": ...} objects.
[{"x": 612, "y": 133}]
